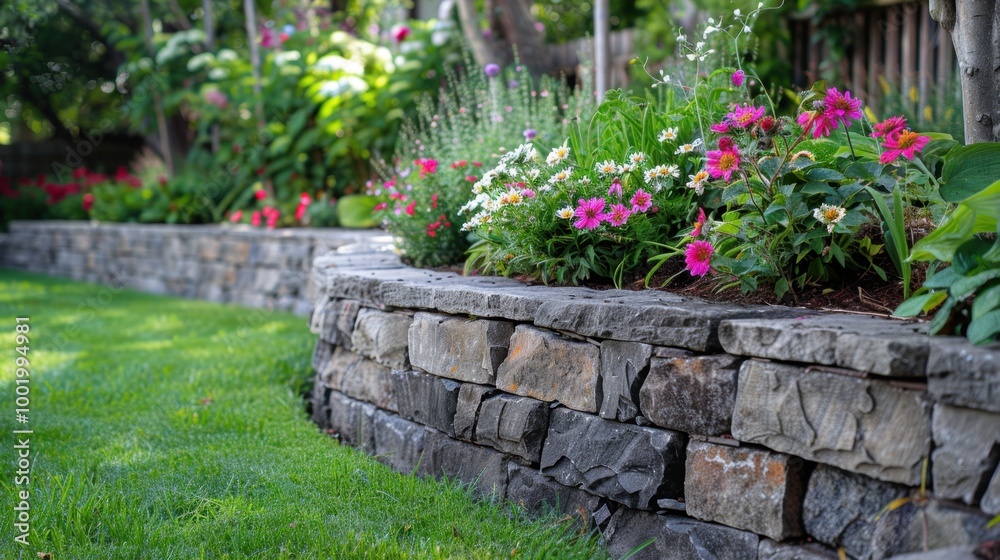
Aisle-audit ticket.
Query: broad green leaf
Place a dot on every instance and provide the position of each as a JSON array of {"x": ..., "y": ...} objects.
[
  {"x": 969, "y": 169},
  {"x": 942, "y": 280},
  {"x": 984, "y": 329},
  {"x": 916, "y": 304},
  {"x": 965, "y": 286},
  {"x": 986, "y": 300},
  {"x": 355, "y": 211},
  {"x": 942, "y": 243},
  {"x": 823, "y": 174},
  {"x": 986, "y": 202}
]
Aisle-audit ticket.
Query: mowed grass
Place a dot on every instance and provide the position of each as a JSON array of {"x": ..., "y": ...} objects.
[{"x": 168, "y": 428}]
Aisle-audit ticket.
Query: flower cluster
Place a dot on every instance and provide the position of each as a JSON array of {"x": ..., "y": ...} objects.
[
  {"x": 834, "y": 109},
  {"x": 898, "y": 140}
]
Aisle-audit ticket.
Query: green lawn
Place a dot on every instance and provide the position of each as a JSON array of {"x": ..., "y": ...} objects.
[{"x": 169, "y": 428}]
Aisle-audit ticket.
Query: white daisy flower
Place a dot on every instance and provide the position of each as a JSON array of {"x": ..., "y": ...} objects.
[
  {"x": 668, "y": 134},
  {"x": 557, "y": 155}
]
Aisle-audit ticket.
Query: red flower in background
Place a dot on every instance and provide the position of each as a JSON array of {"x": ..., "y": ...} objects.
[
  {"x": 88, "y": 202},
  {"x": 304, "y": 201}
]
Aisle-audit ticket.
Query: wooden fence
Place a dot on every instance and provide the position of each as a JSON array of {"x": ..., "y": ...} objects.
[{"x": 895, "y": 47}]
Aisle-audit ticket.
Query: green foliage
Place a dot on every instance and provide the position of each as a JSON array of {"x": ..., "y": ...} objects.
[
  {"x": 172, "y": 428},
  {"x": 472, "y": 120},
  {"x": 965, "y": 297},
  {"x": 968, "y": 170}
]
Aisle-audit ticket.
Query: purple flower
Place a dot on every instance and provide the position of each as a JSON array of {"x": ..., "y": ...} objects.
[
  {"x": 589, "y": 213},
  {"x": 492, "y": 70},
  {"x": 738, "y": 78},
  {"x": 530, "y": 134}
]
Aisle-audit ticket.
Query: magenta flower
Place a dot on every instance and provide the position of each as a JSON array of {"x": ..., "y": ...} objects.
[
  {"x": 492, "y": 70},
  {"x": 889, "y": 127},
  {"x": 745, "y": 116},
  {"x": 699, "y": 223},
  {"x": 616, "y": 188},
  {"x": 641, "y": 201},
  {"x": 619, "y": 215},
  {"x": 722, "y": 163},
  {"x": 905, "y": 143},
  {"x": 589, "y": 213},
  {"x": 719, "y": 128},
  {"x": 217, "y": 98},
  {"x": 528, "y": 193},
  {"x": 738, "y": 77},
  {"x": 821, "y": 123},
  {"x": 400, "y": 32},
  {"x": 841, "y": 106},
  {"x": 698, "y": 257}
]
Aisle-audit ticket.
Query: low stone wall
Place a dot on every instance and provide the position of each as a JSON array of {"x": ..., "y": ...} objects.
[
  {"x": 249, "y": 266},
  {"x": 718, "y": 431}
]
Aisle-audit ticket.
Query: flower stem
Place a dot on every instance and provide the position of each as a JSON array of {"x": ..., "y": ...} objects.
[{"x": 848, "y": 134}]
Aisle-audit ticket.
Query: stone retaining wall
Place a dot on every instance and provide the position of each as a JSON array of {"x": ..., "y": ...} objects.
[
  {"x": 250, "y": 266},
  {"x": 719, "y": 431}
]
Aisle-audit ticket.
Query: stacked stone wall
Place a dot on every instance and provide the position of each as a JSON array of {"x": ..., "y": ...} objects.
[{"x": 715, "y": 430}]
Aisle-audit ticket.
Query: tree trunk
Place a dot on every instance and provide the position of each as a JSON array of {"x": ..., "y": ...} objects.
[
  {"x": 482, "y": 51},
  {"x": 519, "y": 29},
  {"x": 975, "y": 31}
]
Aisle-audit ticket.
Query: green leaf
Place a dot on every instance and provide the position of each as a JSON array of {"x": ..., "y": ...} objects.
[
  {"x": 916, "y": 304},
  {"x": 969, "y": 169},
  {"x": 942, "y": 243},
  {"x": 355, "y": 211},
  {"x": 986, "y": 300},
  {"x": 968, "y": 256},
  {"x": 837, "y": 253},
  {"x": 824, "y": 174},
  {"x": 984, "y": 329},
  {"x": 817, "y": 187},
  {"x": 781, "y": 288},
  {"x": 942, "y": 280},
  {"x": 967, "y": 285}
]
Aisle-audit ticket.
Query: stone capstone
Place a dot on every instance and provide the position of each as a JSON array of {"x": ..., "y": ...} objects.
[
  {"x": 746, "y": 488},
  {"x": 968, "y": 449},
  {"x": 675, "y": 538},
  {"x": 695, "y": 395},
  {"x": 515, "y": 425},
  {"x": 382, "y": 337},
  {"x": 849, "y": 341},
  {"x": 463, "y": 349},
  {"x": 840, "y": 508},
  {"x": 861, "y": 425},
  {"x": 623, "y": 369},
  {"x": 544, "y": 366},
  {"x": 426, "y": 399},
  {"x": 629, "y": 464}
]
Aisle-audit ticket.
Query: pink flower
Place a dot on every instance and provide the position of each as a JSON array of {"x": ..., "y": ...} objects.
[
  {"x": 427, "y": 166},
  {"x": 589, "y": 213},
  {"x": 619, "y": 215},
  {"x": 217, "y": 98},
  {"x": 255, "y": 219},
  {"x": 905, "y": 143},
  {"x": 840, "y": 106},
  {"x": 380, "y": 206},
  {"x": 698, "y": 257},
  {"x": 641, "y": 201},
  {"x": 722, "y": 163},
  {"x": 745, "y": 116},
  {"x": 400, "y": 32},
  {"x": 272, "y": 218},
  {"x": 616, "y": 188},
  {"x": 528, "y": 193},
  {"x": 719, "y": 128},
  {"x": 699, "y": 223},
  {"x": 236, "y": 216},
  {"x": 411, "y": 208},
  {"x": 88, "y": 202},
  {"x": 260, "y": 194},
  {"x": 738, "y": 77},
  {"x": 492, "y": 70},
  {"x": 889, "y": 127},
  {"x": 821, "y": 124}
]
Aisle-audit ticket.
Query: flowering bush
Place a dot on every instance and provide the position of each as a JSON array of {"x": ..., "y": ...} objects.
[{"x": 446, "y": 150}]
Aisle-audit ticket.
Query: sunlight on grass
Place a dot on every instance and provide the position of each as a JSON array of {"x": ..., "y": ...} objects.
[{"x": 160, "y": 434}]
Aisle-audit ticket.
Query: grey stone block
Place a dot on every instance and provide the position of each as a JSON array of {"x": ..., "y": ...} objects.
[
  {"x": 623, "y": 368},
  {"x": 629, "y": 464},
  {"x": 937, "y": 524},
  {"x": 850, "y": 341},
  {"x": 399, "y": 443},
  {"x": 486, "y": 470},
  {"x": 538, "y": 493},
  {"x": 964, "y": 375},
  {"x": 770, "y": 550},
  {"x": 968, "y": 449},
  {"x": 840, "y": 508},
  {"x": 694, "y": 395},
  {"x": 322, "y": 354},
  {"x": 950, "y": 553},
  {"x": 515, "y": 425},
  {"x": 426, "y": 399},
  {"x": 676, "y": 538},
  {"x": 463, "y": 349},
  {"x": 861, "y": 425},
  {"x": 382, "y": 337},
  {"x": 746, "y": 488},
  {"x": 470, "y": 397},
  {"x": 991, "y": 499},
  {"x": 352, "y": 420},
  {"x": 658, "y": 318},
  {"x": 360, "y": 378},
  {"x": 544, "y": 366}
]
